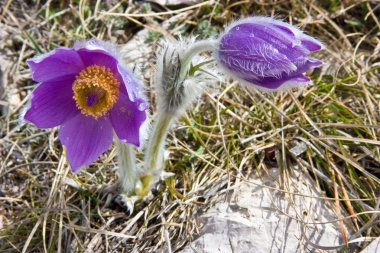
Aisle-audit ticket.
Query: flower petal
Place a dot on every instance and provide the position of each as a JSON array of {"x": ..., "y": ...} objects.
[
  {"x": 305, "y": 64},
  {"x": 267, "y": 32},
  {"x": 311, "y": 44},
  {"x": 132, "y": 86},
  {"x": 307, "y": 41},
  {"x": 85, "y": 139},
  {"x": 291, "y": 30},
  {"x": 293, "y": 79},
  {"x": 285, "y": 29},
  {"x": 252, "y": 56},
  {"x": 98, "y": 57},
  {"x": 286, "y": 82},
  {"x": 126, "y": 118},
  {"x": 59, "y": 63},
  {"x": 288, "y": 39},
  {"x": 52, "y": 104}
]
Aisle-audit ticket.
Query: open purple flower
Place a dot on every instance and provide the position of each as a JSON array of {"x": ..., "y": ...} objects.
[
  {"x": 267, "y": 53},
  {"x": 87, "y": 92}
]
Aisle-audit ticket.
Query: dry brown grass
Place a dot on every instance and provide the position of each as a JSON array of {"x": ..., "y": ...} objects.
[{"x": 45, "y": 208}]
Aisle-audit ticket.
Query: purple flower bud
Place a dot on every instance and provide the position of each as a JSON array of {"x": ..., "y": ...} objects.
[{"x": 267, "y": 53}]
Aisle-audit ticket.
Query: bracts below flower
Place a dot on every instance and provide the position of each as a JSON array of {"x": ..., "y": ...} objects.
[{"x": 175, "y": 91}]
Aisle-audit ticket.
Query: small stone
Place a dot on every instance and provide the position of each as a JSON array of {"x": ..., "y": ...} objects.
[{"x": 298, "y": 149}]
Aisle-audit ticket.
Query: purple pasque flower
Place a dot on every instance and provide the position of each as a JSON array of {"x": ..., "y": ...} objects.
[
  {"x": 86, "y": 91},
  {"x": 267, "y": 53}
]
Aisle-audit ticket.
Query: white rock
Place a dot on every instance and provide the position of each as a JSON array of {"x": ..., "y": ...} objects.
[
  {"x": 259, "y": 219},
  {"x": 373, "y": 247}
]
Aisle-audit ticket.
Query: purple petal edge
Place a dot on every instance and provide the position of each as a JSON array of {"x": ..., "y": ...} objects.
[
  {"x": 51, "y": 104},
  {"x": 132, "y": 87},
  {"x": 126, "y": 119},
  {"x": 59, "y": 63},
  {"x": 85, "y": 139},
  {"x": 274, "y": 84}
]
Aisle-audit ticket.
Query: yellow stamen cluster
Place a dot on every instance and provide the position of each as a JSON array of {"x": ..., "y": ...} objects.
[{"x": 96, "y": 90}]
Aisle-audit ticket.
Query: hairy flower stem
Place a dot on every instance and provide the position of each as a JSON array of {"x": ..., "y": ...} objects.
[
  {"x": 127, "y": 170},
  {"x": 172, "y": 69},
  {"x": 154, "y": 155},
  {"x": 196, "y": 48}
]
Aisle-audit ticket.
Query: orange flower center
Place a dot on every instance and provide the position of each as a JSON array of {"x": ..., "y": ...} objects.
[{"x": 96, "y": 90}]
